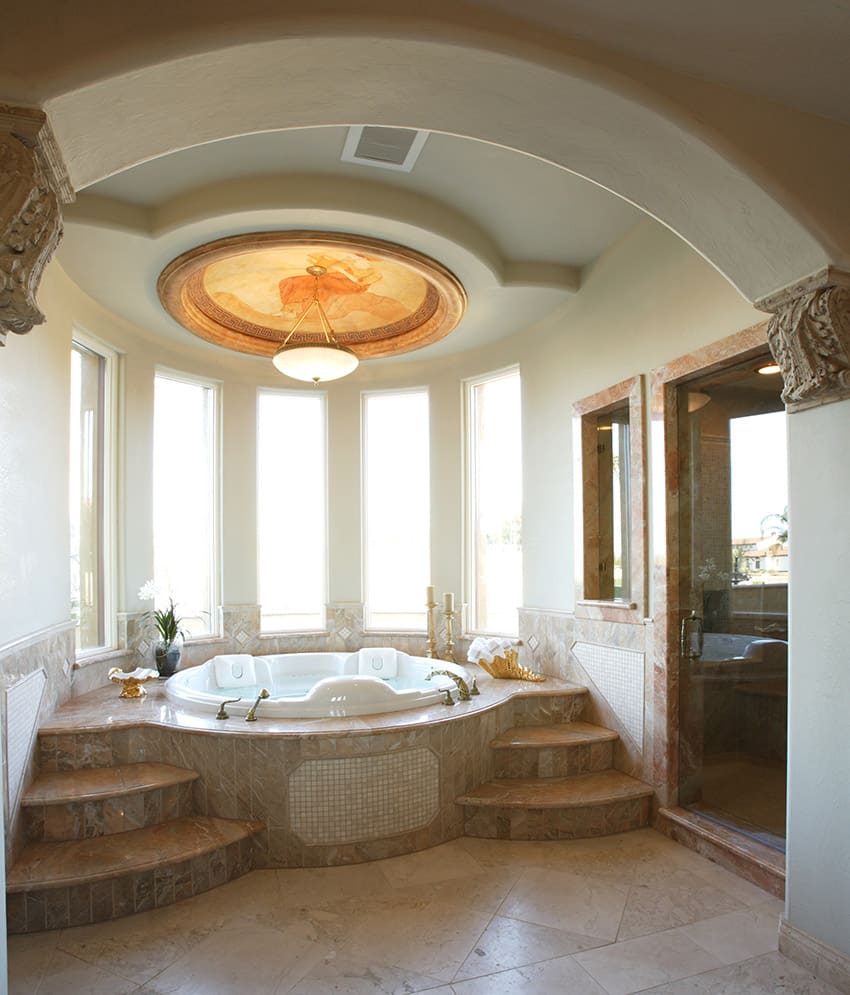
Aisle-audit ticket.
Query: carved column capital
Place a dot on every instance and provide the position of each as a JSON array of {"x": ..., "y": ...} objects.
[
  {"x": 33, "y": 184},
  {"x": 809, "y": 336}
]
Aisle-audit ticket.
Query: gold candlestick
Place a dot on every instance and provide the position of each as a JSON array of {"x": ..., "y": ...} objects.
[
  {"x": 450, "y": 638},
  {"x": 431, "y": 604}
]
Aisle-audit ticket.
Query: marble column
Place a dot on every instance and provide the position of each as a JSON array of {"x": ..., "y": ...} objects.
[
  {"x": 33, "y": 186},
  {"x": 810, "y": 338}
]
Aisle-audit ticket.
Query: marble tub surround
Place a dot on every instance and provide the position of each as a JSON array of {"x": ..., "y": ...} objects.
[
  {"x": 101, "y": 712},
  {"x": 259, "y": 770},
  {"x": 469, "y": 917}
]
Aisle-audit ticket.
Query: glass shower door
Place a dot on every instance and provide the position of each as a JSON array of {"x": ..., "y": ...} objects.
[{"x": 733, "y": 600}]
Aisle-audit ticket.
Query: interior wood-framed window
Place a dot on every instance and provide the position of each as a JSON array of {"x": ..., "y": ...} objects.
[{"x": 610, "y": 445}]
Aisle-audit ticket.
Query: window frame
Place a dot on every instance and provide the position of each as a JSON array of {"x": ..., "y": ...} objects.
[
  {"x": 364, "y": 572},
  {"x": 108, "y": 457},
  {"x": 323, "y": 614},
  {"x": 215, "y": 387},
  {"x": 470, "y": 490}
]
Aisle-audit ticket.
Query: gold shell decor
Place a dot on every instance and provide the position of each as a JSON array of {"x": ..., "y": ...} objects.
[
  {"x": 131, "y": 684},
  {"x": 506, "y": 668}
]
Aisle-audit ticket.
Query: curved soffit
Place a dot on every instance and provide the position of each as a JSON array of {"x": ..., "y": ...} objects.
[
  {"x": 579, "y": 124},
  {"x": 306, "y": 196}
]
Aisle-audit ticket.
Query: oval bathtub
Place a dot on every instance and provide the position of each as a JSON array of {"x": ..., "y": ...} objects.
[{"x": 314, "y": 685}]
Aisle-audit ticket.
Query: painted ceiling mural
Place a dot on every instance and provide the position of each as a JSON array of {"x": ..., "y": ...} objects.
[{"x": 247, "y": 292}]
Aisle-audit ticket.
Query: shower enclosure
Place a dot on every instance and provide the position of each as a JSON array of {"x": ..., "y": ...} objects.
[{"x": 733, "y": 599}]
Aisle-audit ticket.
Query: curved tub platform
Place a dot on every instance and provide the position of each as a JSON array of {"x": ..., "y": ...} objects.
[{"x": 514, "y": 762}]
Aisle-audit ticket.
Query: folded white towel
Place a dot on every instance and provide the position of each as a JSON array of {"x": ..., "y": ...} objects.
[
  {"x": 486, "y": 647},
  {"x": 378, "y": 661},
  {"x": 234, "y": 670}
]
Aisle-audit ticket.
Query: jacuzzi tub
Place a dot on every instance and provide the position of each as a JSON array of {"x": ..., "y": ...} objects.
[{"x": 312, "y": 685}]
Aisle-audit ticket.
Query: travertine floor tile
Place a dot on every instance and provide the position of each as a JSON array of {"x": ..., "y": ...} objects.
[
  {"x": 237, "y": 960},
  {"x": 671, "y": 897},
  {"x": 622, "y": 968},
  {"x": 553, "y": 977},
  {"x": 766, "y": 975},
  {"x": 441, "y": 863},
  {"x": 66, "y": 974},
  {"x": 432, "y": 938},
  {"x": 499, "y": 917},
  {"x": 29, "y": 957},
  {"x": 341, "y": 975},
  {"x": 584, "y": 905},
  {"x": 510, "y": 943},
  {"x": 738, "y": 935}
]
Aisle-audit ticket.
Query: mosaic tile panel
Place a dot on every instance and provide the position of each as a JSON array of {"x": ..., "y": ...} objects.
[
  {"x": 618, "y": 674},
  {"x": 348, "y": 799},
  {"x": 22, "y": 704}
]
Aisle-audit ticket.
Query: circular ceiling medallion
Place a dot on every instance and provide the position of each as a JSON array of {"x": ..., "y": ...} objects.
[{"x": 246, "y": 292}]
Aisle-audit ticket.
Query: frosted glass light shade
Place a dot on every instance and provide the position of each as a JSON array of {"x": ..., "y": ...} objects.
[{"x": 315, "y": 363}]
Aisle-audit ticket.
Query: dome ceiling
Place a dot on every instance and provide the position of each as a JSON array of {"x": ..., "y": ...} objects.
[{"x": 501, "y": 238}]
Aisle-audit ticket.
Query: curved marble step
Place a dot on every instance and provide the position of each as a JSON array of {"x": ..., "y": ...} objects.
[
  {"x": 100, "y": 801},
  {"x": 557, "y": 807},
  {"x": 553, "y": 751},
  {"x": 70, "y": 883}
]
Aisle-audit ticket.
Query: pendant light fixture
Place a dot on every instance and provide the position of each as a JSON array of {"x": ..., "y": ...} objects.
[{"x": 315, "y": 361}]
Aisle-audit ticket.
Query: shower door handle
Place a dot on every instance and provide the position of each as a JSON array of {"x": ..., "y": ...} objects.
[{"x": 692, "y": 625}]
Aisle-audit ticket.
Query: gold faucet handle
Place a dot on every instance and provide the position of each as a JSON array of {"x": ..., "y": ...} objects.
[
  {"x": 448, "y": 700},
  {"x": 221, "y": 713}
]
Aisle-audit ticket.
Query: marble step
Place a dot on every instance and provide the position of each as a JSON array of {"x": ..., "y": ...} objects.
[
  {"x": 597, "y": 804},
  {"x": 100, "y": 801},
  {"x": 539, "y": 707},
  {"x": 74, "y": 882},
  {"x": 554, "y": 750}
]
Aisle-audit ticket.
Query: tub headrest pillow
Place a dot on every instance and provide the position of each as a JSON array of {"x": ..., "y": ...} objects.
[
  {"x": 234, "y": 670},
  {"x": 377, "y": 661}
]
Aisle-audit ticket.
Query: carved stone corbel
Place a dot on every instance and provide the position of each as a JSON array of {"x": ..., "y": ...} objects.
[
  {"x": 809, "y": 336},
  {"x": 33, "y": 184}
]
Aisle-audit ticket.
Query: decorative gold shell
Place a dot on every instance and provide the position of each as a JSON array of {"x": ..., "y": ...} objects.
[{"x": 506, "y": 668}]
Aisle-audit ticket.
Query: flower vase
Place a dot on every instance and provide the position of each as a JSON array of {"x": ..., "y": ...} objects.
[{"x": 168, "y": 656}]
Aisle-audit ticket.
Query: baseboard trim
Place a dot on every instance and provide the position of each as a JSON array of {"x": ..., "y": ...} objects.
[{"x": 823, "y": 961}]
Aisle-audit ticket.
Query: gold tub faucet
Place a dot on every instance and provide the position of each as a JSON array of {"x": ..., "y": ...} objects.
[
  {"x": 252, "y": 711},
  {"x": 462, "y": 686}
]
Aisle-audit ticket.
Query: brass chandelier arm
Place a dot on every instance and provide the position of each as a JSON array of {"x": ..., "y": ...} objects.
[{"x": 323, "y": 318}]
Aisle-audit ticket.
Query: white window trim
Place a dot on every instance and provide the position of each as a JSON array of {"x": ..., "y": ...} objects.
[
  {"x": 364, "y": 395},
  {"x": 313, "y": 392},
  {"x": 112, "y": 376},
  {"x": 468, "y": 455},
  {"x": 215, "y": 552}
]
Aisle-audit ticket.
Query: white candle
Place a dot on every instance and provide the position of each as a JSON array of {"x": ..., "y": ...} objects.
[
  {"x": 449, "y": 601},
  {"x": 429, "y": 595}
]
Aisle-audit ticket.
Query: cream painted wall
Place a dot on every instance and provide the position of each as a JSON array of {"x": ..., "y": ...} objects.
[
  {"x": 647, "y": 300},
  {"x": 818, "y": 883},
  {"x": 34, "y": 410}
]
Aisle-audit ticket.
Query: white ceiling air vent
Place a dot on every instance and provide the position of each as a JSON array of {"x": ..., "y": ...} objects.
[{"x": 386, "y": 148}]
